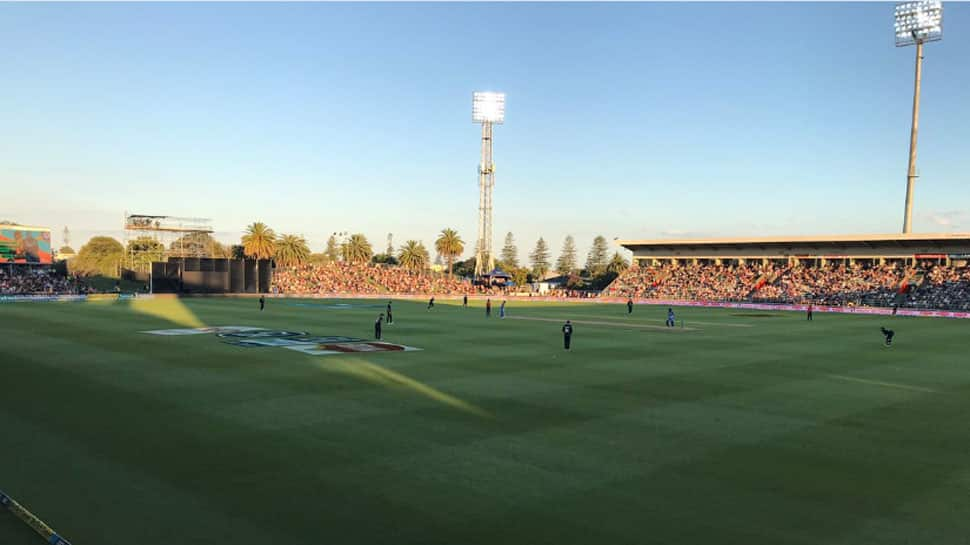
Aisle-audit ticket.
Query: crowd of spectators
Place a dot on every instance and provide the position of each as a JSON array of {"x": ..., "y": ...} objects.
[
  {"x": 366, "y": 279},
  {"x": 692, "y": 282},
  {"x": 836, "y": 285},
  {"x": 839, "y": 285},
  {"x": 635, "y": 282},
  {"x": 376, "y": 279},
  {"x": 711, "y": 282},
  {"x": 924, "y": 286},
  {"x": 944, "y": 288},
  {"x": 570, "y": 293},
  {"x": 17, "y": 281}
]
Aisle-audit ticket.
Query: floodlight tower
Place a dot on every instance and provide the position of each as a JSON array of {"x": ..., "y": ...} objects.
[
  {"x": 488, "y": 108},
  {"x": 916, "y": 23}
]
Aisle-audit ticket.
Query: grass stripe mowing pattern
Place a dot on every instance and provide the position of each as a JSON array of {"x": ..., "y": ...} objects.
[{"x": 734, "y": 431}]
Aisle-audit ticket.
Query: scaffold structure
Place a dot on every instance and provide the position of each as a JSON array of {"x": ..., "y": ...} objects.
[{"x": 154, "y": 238}]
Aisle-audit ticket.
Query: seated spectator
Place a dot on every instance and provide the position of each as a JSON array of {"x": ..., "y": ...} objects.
[
  {"x": 25, "y": 281},
  {"x": 922, "y": 286}
]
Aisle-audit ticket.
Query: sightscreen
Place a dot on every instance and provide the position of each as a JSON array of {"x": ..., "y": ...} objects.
[{"x": 20, "y": 244}]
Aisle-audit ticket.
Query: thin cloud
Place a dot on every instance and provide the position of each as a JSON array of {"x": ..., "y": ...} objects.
[
  {"x": 949, "y": 219},
  {"x": 674, "y": 233}
]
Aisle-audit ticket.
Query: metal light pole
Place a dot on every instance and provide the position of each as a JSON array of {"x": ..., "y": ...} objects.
[
  {"x": 916, "y": 23},
  {"x": 488, "y": 108},
  {"x": 911, "y": 172}
]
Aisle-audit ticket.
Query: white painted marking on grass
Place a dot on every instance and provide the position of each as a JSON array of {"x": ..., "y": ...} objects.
[
  {"x": 691, "y": 321},
  {"x": 884, "y": 384},
  {"x": 720, "y": 324},
  {"x": 620, "y": 325}
]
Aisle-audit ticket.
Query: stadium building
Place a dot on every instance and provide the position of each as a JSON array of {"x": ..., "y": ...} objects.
[
  {"x": 925, "y": 271},
  {"x": 951, "y": 249}
]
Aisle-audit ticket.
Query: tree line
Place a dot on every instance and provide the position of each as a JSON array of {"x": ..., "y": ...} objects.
[
  {"x": 599, "y": 269},
  {"x": 106, "y": 256}
]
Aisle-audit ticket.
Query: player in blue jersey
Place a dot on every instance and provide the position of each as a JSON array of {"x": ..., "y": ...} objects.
[{"x": 670, "y": 317}]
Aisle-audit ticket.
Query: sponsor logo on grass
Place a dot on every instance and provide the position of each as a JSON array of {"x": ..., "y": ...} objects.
[
  {"x": 326, "y": 349},
  {"x": 300, "y": 341},
  {"x": 260, "y": 334},
  {"x": 202, "y": 330}
]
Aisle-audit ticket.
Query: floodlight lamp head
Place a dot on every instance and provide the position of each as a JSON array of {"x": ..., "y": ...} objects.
[
  {"x": 488, "y": 107},
  {"x": 920, "y": 21}
]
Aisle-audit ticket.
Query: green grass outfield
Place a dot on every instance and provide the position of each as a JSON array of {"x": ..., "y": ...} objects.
[{"x": 742, "y": 427}]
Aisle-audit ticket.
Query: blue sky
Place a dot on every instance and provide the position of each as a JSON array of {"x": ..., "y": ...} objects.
[{"x": 627, "y": 120}]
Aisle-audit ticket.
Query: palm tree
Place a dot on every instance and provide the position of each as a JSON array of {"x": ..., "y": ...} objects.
[
  {"x": 259, "y": 242},
  {"x": 449, "y": 245},
  {"x": 292, "y": 250},
  {"x": 617, "y": 264},
  {"x": 357, "y": 249},
  {"x": 413, "y": 256}
]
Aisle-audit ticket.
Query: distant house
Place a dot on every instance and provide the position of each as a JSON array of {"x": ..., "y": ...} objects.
[
  {"x": 495, "y": 278},
  {"x": 554, "y": 282}
]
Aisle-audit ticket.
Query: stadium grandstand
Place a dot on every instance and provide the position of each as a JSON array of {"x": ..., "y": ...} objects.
[
  {"x": 903, "y": 270},
  {"x": 371, "y": 279},
  {"x": 910, "y": 271}
]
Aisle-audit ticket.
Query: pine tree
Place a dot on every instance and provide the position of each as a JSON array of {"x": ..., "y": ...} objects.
[
  {"x": 598, "y": 257},
  {"x": 540, "y": 259},
  {"x": 333, "y": 249},
  {"x": 566, "y": 264},
  {"x": 510, "y": 253}
]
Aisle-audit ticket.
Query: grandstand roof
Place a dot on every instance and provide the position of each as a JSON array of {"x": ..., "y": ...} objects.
[
  {"x": 18, "y": 227},
  {"x": 877, "y": 245}
]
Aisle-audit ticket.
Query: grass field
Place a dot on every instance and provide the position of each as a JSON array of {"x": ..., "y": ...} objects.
[{"x": 741, "y": 427}]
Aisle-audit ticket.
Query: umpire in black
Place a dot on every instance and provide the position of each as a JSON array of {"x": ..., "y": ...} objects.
[{"x": 377, "y": 326}]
